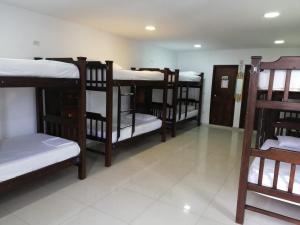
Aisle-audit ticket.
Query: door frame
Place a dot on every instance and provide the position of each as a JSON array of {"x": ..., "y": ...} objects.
[{"x": 213, "y": 89}]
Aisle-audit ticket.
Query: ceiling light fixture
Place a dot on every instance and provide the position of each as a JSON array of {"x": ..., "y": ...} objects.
[
  {"x": 270, "y": 15},
  {"x": 279, "y": 42},
  {"x": 197, "y": 46},
  {"x": 150, "y": 28}
]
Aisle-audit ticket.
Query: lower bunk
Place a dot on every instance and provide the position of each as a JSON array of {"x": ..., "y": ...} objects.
[
  {"x": 23, "y": 157},
  {"x": 270, "y": 179},
  {"x": 144, "y": 123}
]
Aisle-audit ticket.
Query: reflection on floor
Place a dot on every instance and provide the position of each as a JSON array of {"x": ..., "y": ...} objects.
[{"x": 189, "y": 180}]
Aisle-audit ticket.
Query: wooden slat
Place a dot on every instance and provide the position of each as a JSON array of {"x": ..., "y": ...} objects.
[
  {"x": 274, "y": 193},
  {"x": 287, "y": 85},
  {"x": 272, "y": 214},
  {"x": 278, "y": 155},
  {"x": 292, "y": 106},
  {"x": 292, "y": 178},
  {"x": 283, "y": 63},
  {"x": 276, "y": 173},
  {"x": 261, "y": 171},
  {"x": 271, "y": 82}
]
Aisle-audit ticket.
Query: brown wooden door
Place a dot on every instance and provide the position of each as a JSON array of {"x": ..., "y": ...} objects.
[
  {"x": 245, "y": 96},
  {"x": 222, "y": 95}
]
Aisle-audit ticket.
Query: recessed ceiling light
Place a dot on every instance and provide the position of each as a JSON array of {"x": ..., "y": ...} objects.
[
  {"x": 270, "y": 15},
  {"x": 197, "y": 46},
  {"x": 150, "y": 28},
  {"x": 279, "y": 42}
]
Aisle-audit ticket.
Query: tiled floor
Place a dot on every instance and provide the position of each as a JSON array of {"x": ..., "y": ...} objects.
[{"x": 189, "y": 180}]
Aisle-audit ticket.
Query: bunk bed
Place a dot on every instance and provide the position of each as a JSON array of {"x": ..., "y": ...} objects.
[
  {"x": 271, "y": 167},
  {"x": 185, "y": 98},
  {"x": 60, "y": 110},
  {"x": 140, "y": 118}
]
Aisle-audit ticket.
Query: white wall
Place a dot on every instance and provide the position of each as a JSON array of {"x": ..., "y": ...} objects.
[
  {"x": 59, "y": 38},
  {"x": 203, "y": 61}
]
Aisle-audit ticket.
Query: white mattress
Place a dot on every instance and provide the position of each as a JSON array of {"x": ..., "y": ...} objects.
[
  {"x": 29, "y": 153},
  {"x": 191, "y": 112},
  {"x": 122, "y": 74},
  {"x": 141, "y": 127},
  {"x": 189, "y": 76},
  {"x": 279, "y": 80},
  {"x": 37, "y": 68},
  {"x": 284, "y": 171}
]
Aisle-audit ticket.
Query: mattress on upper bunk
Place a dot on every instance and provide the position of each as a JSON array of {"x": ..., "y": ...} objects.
[
  {"x": 122, "y": 74},
  {"x": 189, "y": 76},
  {"x": 279, "y": 80},
  {"x": 144, "y": 123},
  {"x": 284, "y": 171},
  {"x": 37, "y": 68},
  {"x": 28, "y": 153}
]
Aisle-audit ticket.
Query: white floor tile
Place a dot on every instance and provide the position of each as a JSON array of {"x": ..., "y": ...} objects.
[
  {"x": 163, "y": 214},
  {"x": 91, "y": 216},
  {"x": 124, "y": 204},
  {"x": 51, "y": 210},
  {"x": 189, "y": 180}
]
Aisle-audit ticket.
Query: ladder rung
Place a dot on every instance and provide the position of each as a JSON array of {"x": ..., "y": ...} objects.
[
  {"x": 126, "y": 126},
  {"x": 127, "y": 94},
  {"x": 128, "y": 110}
]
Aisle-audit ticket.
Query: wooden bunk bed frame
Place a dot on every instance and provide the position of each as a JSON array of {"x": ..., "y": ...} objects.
[
  {"x": 60, "y": 126},
  {"x": 183, "y": 99},
  {"x": 269, "y": 100},
  {"x": 100, "y": 78}
]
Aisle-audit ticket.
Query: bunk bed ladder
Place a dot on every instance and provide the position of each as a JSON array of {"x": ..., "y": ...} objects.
[{"x": 131, "y": 110}]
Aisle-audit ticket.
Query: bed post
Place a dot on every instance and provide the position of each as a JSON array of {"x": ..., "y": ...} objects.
[
  {"x": 81, "y": 118},
  {"x": 174, "y": 102},
  {"x": 39, "y": 110},
  {"x": 164, "y": 105},
  {"x": 200, "y": 99},
  {"x": 250, "y": 115},
  {"x": 109, "y": 113}
]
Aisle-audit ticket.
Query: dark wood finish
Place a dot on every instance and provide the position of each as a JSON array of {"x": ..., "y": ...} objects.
[
  {"x": 270, "y": 103},
  {"x": 272, "y": 214},
  {"x": 56, "y": 125},
  {"x": 100, "y": 78},
  {"x": 177, "y": 87},
  {"x": 245, "y": 96},
  {"x": 222, "y": 99}
]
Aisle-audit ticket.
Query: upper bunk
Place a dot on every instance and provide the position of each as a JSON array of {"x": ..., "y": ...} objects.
[
  {"x": 276, "y": 85},
  {"x": 100, "y": 75},
  {"x": 185, "y": 78},
  {"x": 41, "y": 73}
]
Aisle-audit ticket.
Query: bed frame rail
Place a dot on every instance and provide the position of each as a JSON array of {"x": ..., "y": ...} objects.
[
  {"x": 274, "y": 102},
  {"x": 96, "y": 124},
  {"x": 96, "y": 79}
]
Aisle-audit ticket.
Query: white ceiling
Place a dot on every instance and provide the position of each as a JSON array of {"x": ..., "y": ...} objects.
[{"x": 216, "y": 24}]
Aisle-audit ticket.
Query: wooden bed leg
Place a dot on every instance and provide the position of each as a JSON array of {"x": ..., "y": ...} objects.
[
  {"x": 241, "y": 204},
  {"x": 109, "y": 113},
  {"x": 164, "y": 105},
  {"x": 250, "y": 116},
  {"x": 81, "y": 171},
  {"x": 82, "y": 119},
  {"x": 173, "y": 134},
  {"x": 200, "y": 100},
  {"x": 174, "y": 102},
  {"x": 108, "y": 154}
]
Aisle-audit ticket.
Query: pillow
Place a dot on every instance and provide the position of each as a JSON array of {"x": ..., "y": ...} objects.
[
  {"x": 117, "y": 66},
  {"x": 143, "y": 117},
  {"x": 188, "y": 73},
  {"x": 290, "y": 142}
]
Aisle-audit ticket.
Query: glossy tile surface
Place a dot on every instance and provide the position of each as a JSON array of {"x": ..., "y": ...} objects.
[{"x": 189, "y": 180}]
